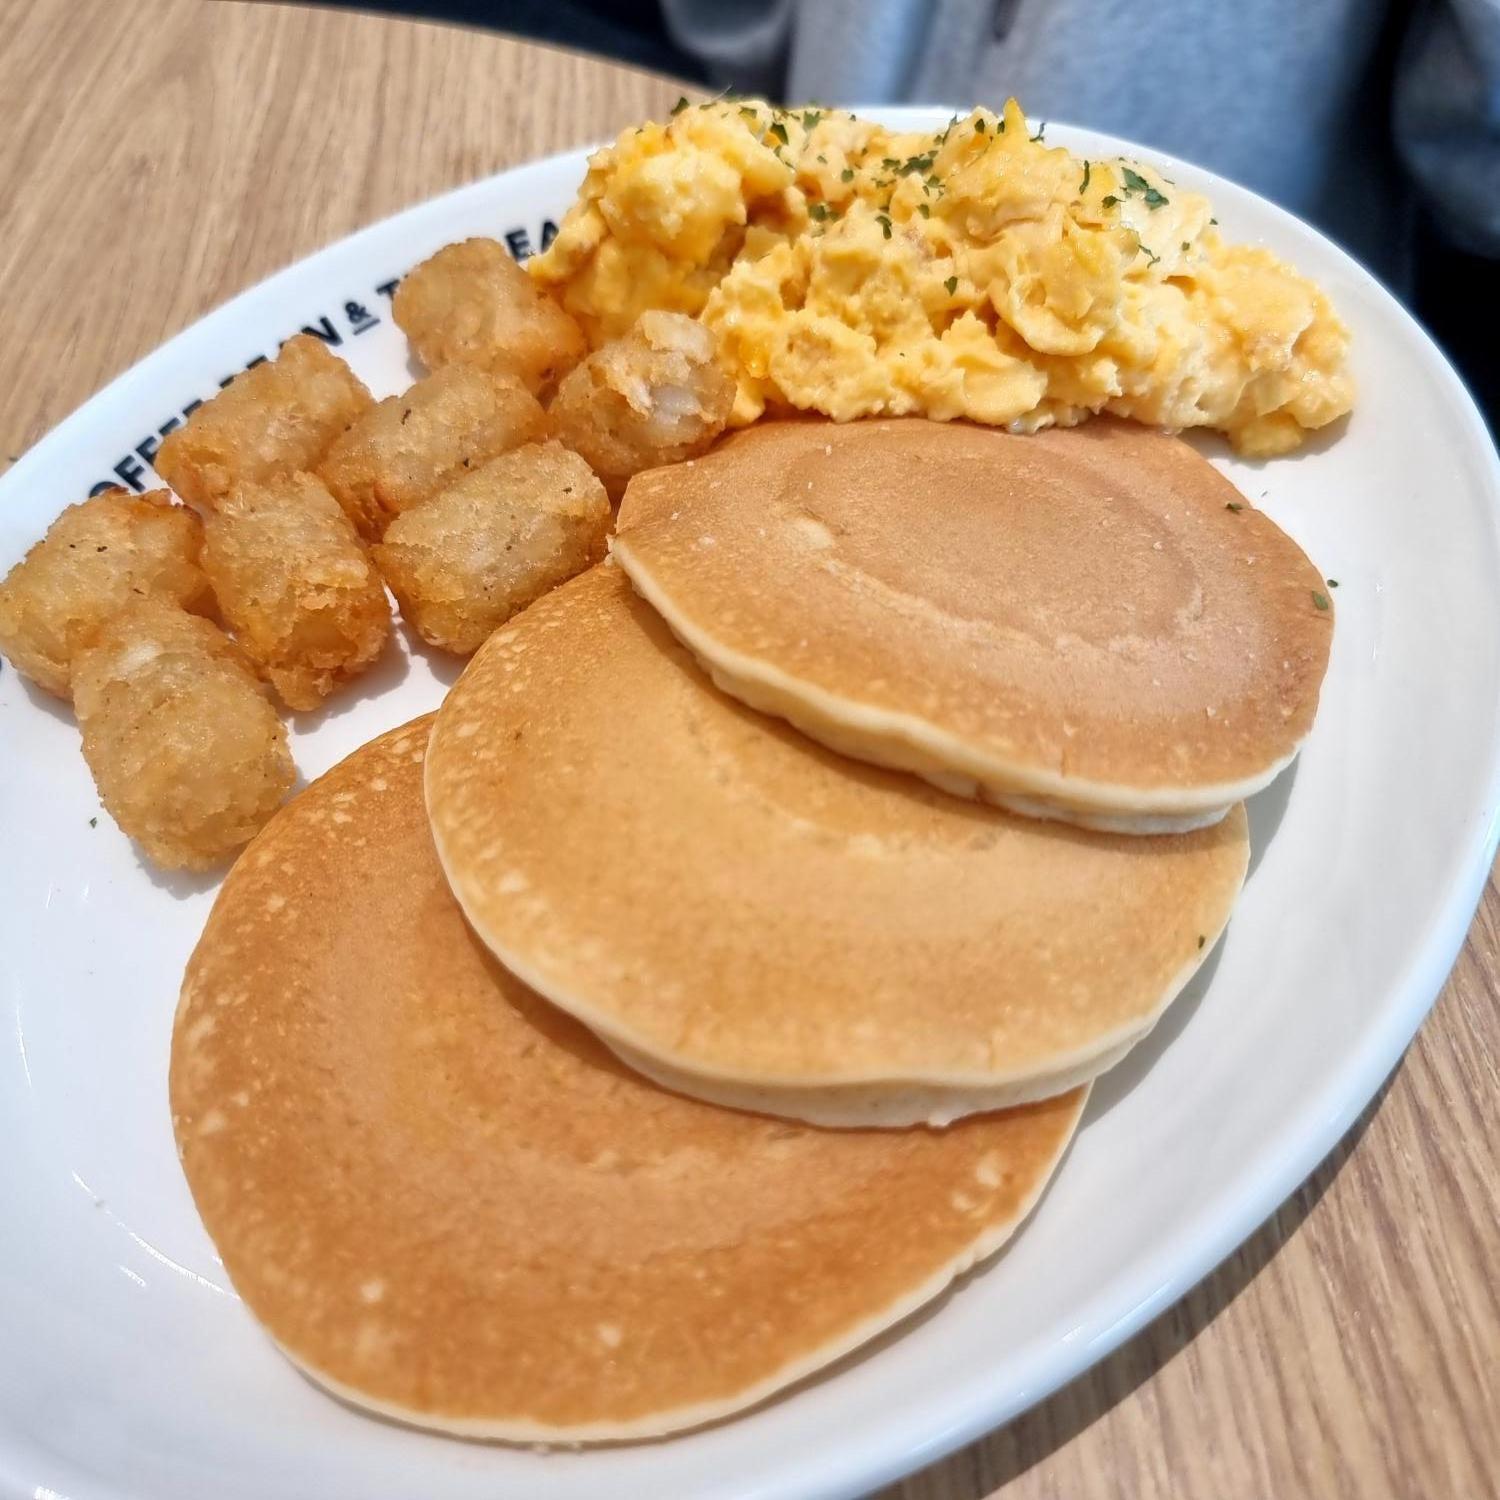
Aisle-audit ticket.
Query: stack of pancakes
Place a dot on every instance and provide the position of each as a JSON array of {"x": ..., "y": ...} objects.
[{"x": 680, "y": 1039}]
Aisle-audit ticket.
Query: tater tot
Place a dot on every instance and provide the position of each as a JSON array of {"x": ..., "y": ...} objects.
[
  {"x": 295, "y": 585},
  {"x": 406, "y": 448},
  {"x": 268, "y": 422},
  {"x": 493, "y": 541},
  {"x": 654, "y": 396},
  {"x": 471, "y": 304},
  {"x": 96, "y": 557},
  {"x": 186, "y": 749}
]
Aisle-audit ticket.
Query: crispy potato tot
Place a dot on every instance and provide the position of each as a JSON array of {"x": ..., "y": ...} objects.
[
  {"x": 471, "y": 304},
  {"x": 493, "y": 541},
  {"x": 96, "y": 557},
  {"x": 655, "y": 396},
  {"x": 186, "y": 749},
  {"x": 268, "y": 422},
  {"x": 295, "y": 585},
  {"x": 407, "y": 448}
]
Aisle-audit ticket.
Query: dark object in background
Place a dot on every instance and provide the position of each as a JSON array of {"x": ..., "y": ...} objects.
[
  {"x": 1454, "y": 299},
  {"x": 629, "y": 31}
]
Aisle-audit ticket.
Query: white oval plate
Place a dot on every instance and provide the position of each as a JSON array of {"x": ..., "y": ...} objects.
[{"x": 129, "y": 1366}]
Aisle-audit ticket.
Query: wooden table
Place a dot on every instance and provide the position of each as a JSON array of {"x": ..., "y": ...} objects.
[{"x": 160, "y": 156}]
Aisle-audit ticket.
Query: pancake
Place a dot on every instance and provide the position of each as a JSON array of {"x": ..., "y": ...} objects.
[
  {"x": 1087, "y": 624},
  {"x": 735, "y": 908},
  {"x": 450, "y": 1204}
]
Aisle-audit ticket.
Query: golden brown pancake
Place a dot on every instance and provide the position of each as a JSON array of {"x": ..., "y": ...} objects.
[
  {"x": 1087, "y": 624},
  {"x": 737, "y": 909},
  {"x": 449, "y": 1203}
]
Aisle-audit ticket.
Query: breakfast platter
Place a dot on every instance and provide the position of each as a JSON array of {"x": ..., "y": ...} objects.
[{"x": 704, "y": 1090}]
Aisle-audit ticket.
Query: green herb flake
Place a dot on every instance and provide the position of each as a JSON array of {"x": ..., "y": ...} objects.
[
  {"x": 925, "y": 209},
  {"x": 952, "y": 284},
  {"x": 1236, "y": 506},
  {"x": 779, "y": 131},
  {"x": 93, "y": 822},
  {"x": 1041, "y": 132},
  {"x": 1332, "y": 583},
  {"x": 1213, "y": 221},
  {"x": 979, "y": 126},
  {"x": 1088, "y": 171},
  {"x": 1134, "y": 182},
  {"x": 818, "y": 211},
  {"x": 810, "y": 118},
  {"x": 822, "y": 158},
  {"x": 1320, "y": 601},
  {"x": 1202, "y": 939},
  {"x": 1109, "y": 200},
  {"x": 847, "y": 175},
  {"x": 1184, "y": 247},
  {"x": 681, "y": 105},
  {"x": 885, "y": 224},
  {"x": 889, "y": 163},
  {"x": 1154, "y": 200}
]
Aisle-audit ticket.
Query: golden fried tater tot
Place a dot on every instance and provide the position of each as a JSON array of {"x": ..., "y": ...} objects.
[
  {"x": 493, "y": 541},
  {"x": 406, "y": 448},
  {"x": 295, "y": 585},
  {"x": 268, "y": 422},
  {"x": 96, "y": 557},
  {"x": 187, "y": 752},
  {"x": 655, "y": 396},
  {"x": 471, "y": 304}
]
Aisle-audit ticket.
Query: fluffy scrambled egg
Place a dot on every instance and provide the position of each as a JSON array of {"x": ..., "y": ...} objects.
[{"x": 975, "y": 272}]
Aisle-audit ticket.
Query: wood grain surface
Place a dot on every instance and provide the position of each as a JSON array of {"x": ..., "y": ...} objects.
[{"x": 160, "y": 155}]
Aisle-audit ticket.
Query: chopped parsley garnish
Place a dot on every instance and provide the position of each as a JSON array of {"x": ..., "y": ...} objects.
[
  {"x": 1320, "y": 601},
  {"x": 1213, "y": 221},
  {"x": 1041, "y": 131},
  {"x": 934, "y": 184},
  {"x": 1088, "y": 171},
  {"x": 1109, "y": 200},
  {"x": 1236, "y": 506},
  {"x": 979, "y": 126},
  {"x": 1151, "y": 256},
  {"x": 847, "y": 175},
  {"x": 1184, "y": 247},
  {"x": 822, "y": 158},
  {"x": 779, "y": 131},
  {"x": 1201, "y": 939},
  {"x": 818, "y": 211},
  {"x": 810, "y": 118},
  {"x": 1135, "y": 183},
  {"x": 952, "y": 284},
  {"x": 889, "y": 163},
  {"x": 916, "y": 164},
  {"x": 681, "y": 105},
  {"x": 925, "y": 210},
  {"x": 93, "y": 822},
  {"x": 885, "y": 224},
  {"x": 1332, "y": 583}
]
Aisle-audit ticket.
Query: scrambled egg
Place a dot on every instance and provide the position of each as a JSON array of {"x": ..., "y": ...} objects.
[{"x": 976, "y": 272}]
